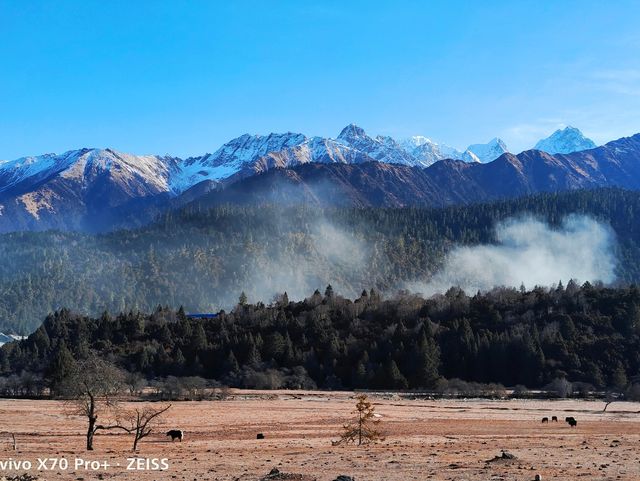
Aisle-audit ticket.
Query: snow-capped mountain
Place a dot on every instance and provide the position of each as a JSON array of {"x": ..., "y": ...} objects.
[
  {"x": 376, "y": 184},
  {"x": 565, "y": 141},
  {"x": 66, "y": 190},
  {"x": 84, "y": 166},
  {"x": 251, "y": 154},
  {"x": 428, "y": 152},
  {"x": 96, "y": 189},
  {"x": 92, "y": 189},
  {"x": 485, "y": 152},
  {"x": 381, "y": 148}
]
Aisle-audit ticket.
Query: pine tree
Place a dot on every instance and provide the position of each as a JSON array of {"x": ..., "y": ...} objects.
[
  {"x": 364, "y": 428},
  {"x": 428, "y": 361},
  {"x": 328, "y": 292},
  {"x": 61, "y": 367},
  {"x": 231, "y": 364},
  {"x": 242, "y": 300},
  {"x": 389, "y": 376},
  {"x": 619, "y": 378}
]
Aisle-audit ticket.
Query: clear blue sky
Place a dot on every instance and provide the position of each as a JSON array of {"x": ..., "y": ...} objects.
[{"x": 183, "y": 77}]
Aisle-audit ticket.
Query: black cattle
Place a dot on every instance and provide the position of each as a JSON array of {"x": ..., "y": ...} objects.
[
  {"x": 572, "y": 422},
  {"x": 554, "y": 419},
  {"x": 176, "y": 434},
  {"x": 545, "y": 420},
  {"x": 569, "y": 418}
]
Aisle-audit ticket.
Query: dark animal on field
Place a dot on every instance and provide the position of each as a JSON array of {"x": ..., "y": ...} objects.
[
  {"x": 545, "y": 420},
  {"x": 554, "y": 419},
  {"x": 569, "y": 418},
  {"x": 176, "y": 434},
  {"x": 259, "y": 436},
  {"x": 573, "y": 423}
]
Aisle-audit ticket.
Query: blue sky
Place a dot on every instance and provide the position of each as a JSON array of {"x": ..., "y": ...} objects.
[{"x": 183, "y": 77}]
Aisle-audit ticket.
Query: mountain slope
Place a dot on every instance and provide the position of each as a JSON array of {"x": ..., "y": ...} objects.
[{"x": 81, "y": 189}]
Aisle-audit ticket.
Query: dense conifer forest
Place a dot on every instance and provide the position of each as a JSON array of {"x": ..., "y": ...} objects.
[
  {"x": 587, "y": 334},
  {"x": 202, "y": 259}
]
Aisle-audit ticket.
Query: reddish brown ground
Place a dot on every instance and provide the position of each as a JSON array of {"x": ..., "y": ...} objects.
[{"x": 436, "y": 440}]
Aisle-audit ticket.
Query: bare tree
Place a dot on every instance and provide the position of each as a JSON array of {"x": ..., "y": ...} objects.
[
  {"x": 610, "y": 397},
  {"x": 92, "y": 388},
  {"x": 135, "y": 383},
  {"x": 363, "y": 428},
  {"x": 140, "y": 421}
]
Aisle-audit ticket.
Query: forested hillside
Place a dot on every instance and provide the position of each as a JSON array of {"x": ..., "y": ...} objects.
[
  {"x": 203, "y": 259},
  {"x": 586, "y": 334}
]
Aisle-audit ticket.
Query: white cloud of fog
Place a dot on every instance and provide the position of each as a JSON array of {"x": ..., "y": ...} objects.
[
  {"x": 531, "y": 252},
  {"x": 324, "y": 254}
]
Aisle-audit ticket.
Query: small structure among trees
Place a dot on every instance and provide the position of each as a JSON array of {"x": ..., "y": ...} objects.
[{"x": 363, "y": 429}]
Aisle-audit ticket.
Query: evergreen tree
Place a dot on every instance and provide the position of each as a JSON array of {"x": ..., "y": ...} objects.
[
  {"x": 428, "y": 361},
  {"x": 328, "y": 292},
  {"x": 364, "y": 428},
  {"x": 242, "y": 300},
  {"x": 61, "y": 367}
]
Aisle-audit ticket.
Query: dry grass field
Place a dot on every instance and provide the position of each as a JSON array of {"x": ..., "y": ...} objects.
[{"x": 434, "y": 440}]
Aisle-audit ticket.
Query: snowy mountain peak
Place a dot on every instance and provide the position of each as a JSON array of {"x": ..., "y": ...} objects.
[
  {"x": 565, "y": 141},
  {"x": 428, "y": 152},
  {"x": 498, "y": 142},
  {"x": 469, "y": 156},
  {"x": 417, "y": 141},
  {"x": 487, "y": 152},
  {"x": 352, "y": 132}
]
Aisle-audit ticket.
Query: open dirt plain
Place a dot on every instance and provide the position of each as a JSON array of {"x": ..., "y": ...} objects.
[{"x": 434, "y": 440}]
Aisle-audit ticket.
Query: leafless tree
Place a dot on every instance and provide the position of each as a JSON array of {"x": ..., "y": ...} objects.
[
  {"x": 363, "y": 428},
  {"x": 92, "y": 389},
  {"x": 609, "y": 398},
  {"x": 140, "y": 421},
  {"x": 135, "y": 383}
]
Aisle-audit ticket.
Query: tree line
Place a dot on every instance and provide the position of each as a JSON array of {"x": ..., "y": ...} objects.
[{"x": 588, "y": 335}]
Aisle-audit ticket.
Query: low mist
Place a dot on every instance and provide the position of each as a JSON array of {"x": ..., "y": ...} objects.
[
  {"x": 530, "y": 252},
  {"x": 324, "y": 254}
]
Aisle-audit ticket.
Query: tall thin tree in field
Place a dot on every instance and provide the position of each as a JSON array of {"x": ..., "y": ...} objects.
[{"x": 363, "y": 428}]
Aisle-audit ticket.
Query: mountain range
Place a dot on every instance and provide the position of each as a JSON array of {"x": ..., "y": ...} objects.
[{"x": 101, "y": 189}]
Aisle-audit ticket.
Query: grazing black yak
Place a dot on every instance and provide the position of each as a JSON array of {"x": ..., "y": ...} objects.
[
  {"x": 176, "y": 434},
  {"x": 545, "y": 420},
  {"x": 554, "y": 419},
  {"x": 572, "y": 422}
]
